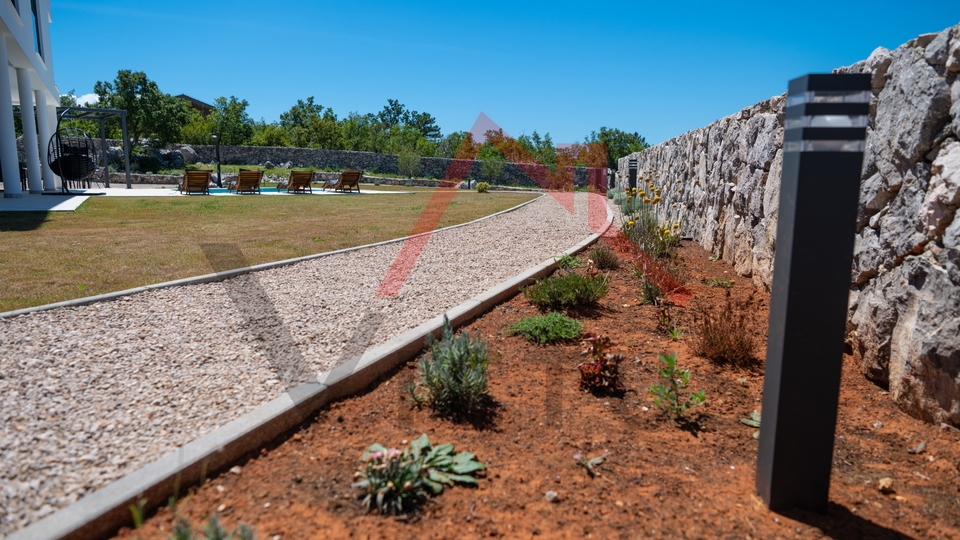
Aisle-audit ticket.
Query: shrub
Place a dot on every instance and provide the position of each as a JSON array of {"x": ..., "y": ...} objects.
[
  {"x": 483, "y": 187},
  {"x": 566, "y": 291},
  {"x": 547, "y": 328},
  {"x": 454, "y": 372},
  {"x": 723, "y": 334},
  {"x": 602, "y": 370},
  {"x": 605, "y": 258},
  {"x": 610, "y": 194},
  {"x": 395, "y": 481},
  {"x": 667, "y": 396}
]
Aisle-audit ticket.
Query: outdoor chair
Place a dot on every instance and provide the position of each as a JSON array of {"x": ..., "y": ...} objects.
[
  {"x": 248, "y": 181},
  {"x": 195, "y": 182},
  {"x": 348, "y": 181},
  {"x": 299, "y": 182}
]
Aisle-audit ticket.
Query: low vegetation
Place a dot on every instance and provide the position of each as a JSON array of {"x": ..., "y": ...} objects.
[
  {"x": 667, "y": 396},
  {"x": 453, "y": 374},
  {"x": 605, "y": 258},
  {"x": 566, "y": 291},
  {"x": 395, "y": 481},
  {"x": 601, "y": 370},
  {"x": 723, "y": 334},
  {"x": 549, "y": 328}
]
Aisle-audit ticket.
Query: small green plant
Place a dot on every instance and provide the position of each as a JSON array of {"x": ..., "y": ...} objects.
[
  {"x": 743, "y": 386},
  {"x": 567, "y": 262},
  {"x": 590, "y": 463},
  {"x": 182, "y": 530},
  {"x": 408, "y": 184},
  {"x": 667, "y": 324},
  {"x": 610, "y": 194},
  {"x": 723, "y": 334},
  {"x": 602, "y": 369},
  {"x": 667, "y": 396},
  {"x": 137, "y": 512},
  {"x": 566, "y": 291},
  {"x": 395, "y": 481},
  {"x": 753, "y": 421},
  {"x": 720, "y": 282},
  {"x": 454, "y": 373},
  {"x": 547, "y": 328},
  {"x": 605, "y": 258},
  {"x": 650, "y": 293},
  {"x": 713, "y": 258},
  {"x": 483, "y": 187}
]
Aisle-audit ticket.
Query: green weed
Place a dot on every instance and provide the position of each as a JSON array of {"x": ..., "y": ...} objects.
[
  {"x": 566, "y": 291},
  {"x": 547, "y": 328},
  {"x": 667, "y": 396}
]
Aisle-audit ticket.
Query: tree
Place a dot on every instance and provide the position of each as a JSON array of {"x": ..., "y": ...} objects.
[
  {"x": 619, "y": 143},
  {"x": 309, "y": 124},
  {"x": 197, "y": 130},
  {"x": 229, "y": 118},
  {"x": 542, "y": 149},
  {"x": 265, "y": 134},
  {"x": 450, "y": 145},
  {"x": 408, "y": 163},
  {"x": 151, "y": 114}
]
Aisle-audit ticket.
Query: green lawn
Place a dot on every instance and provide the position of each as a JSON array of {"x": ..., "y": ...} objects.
[{"x": 115, "y": 243}]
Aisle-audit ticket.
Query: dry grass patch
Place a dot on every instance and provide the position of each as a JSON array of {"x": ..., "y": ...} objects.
[{"x": 115, "y": 243}]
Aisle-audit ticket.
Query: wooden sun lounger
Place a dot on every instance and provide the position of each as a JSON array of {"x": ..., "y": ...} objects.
[
  {"x": 248, "y": 181},
  {"x": 348, "y": 181},
  {"x": 299, "y": 182},
  {"x": 195, "y": 182}
]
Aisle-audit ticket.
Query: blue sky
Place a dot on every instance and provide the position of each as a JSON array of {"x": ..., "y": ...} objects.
[{"x": 659, "y": 68}]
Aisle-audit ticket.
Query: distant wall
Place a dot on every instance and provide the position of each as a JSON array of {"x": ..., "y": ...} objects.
[
  {"x": 904, "y": 312},
  {"x": 529, "y": 175}
]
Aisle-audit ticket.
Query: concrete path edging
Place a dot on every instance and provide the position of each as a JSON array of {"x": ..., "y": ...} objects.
[
  {"x": 221, "y": 276},
  {"x": 102, "y": 512}
]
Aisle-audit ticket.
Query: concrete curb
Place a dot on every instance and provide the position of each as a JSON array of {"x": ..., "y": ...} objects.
[
  {"x": 221, "y": 276},
  {"x": 102, "y": 512}
]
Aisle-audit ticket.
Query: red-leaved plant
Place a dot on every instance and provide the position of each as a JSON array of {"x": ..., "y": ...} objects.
[{"x": 602, "y": 369}]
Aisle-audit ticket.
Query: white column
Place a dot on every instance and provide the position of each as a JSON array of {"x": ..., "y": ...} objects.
[
  {"x": 8, "y": 137},
  {"x": 31, "y": 150},
  {"x": 43, "y": 127}
]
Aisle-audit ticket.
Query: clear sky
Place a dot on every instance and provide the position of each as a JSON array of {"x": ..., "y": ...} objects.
[{"x": 656, "y": 68}]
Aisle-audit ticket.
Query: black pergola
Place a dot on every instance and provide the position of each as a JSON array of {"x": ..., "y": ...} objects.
[{"x": 101, "y": 116}]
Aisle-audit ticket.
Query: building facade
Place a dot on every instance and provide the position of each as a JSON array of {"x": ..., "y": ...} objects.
[{"x": 27, "y": 82}]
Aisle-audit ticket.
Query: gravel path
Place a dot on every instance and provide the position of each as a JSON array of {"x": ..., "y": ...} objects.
[{"x": 91, "y": 393}]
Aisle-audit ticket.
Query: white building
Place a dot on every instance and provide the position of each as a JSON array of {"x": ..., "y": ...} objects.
[{"x": 28, "y": 83}]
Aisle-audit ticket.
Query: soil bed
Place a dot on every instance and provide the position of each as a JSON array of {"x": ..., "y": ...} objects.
[{"x": 661, "y": 479}]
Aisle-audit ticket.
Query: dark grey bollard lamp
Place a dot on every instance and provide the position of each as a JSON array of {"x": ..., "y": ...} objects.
[
  {"x": 826, "y": 120},
  {"x": 216, "y": 141},
  {"x": 632, "y": 171}
]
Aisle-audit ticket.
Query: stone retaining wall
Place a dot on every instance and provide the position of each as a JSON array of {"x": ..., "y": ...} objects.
[
  {"x": 904, "y": 311},
  {"x": 528, "y": 175}
]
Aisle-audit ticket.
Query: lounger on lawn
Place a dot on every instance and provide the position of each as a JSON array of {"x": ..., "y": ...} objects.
[
  {"x": 299, "y": 182},
  {"x": 248, "y": 181},
  {"x": 195, "y": 182},
  {"x": 348, "y": 181}
]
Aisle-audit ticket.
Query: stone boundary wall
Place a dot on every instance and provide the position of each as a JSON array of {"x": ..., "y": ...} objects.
[
  {"x": 904, "y": 311},
  {"x": 524, "y": 174}
]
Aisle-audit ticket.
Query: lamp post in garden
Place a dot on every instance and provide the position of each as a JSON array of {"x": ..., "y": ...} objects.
[
  {"x": 824, "y": 138},
  {"x": 632, "y": 171},
  {"x": 216, "y": 141}
]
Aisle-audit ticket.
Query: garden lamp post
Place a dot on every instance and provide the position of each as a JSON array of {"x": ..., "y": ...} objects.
[
  {"x": 632, "y": 171},
  {"x": 216, "y": 141},
  {"x": 824, "y": 138}
]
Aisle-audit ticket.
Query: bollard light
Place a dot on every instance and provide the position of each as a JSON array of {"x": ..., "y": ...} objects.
[
  {"x": 632, "y": 169},
  {"x": 216, "y": 141},
  {"x": 826, "y": 120}
]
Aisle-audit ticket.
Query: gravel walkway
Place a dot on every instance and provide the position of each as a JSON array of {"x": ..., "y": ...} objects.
[{"x": 91, "y": 393}]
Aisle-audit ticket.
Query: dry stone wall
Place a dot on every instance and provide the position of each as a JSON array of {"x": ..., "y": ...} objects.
[
  {"x": 528, "y": 175},
  {"x": 904, "y": 310}
]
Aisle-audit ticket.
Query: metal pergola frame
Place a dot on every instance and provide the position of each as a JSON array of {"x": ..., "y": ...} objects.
[{"x": 101, "y": 116}]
